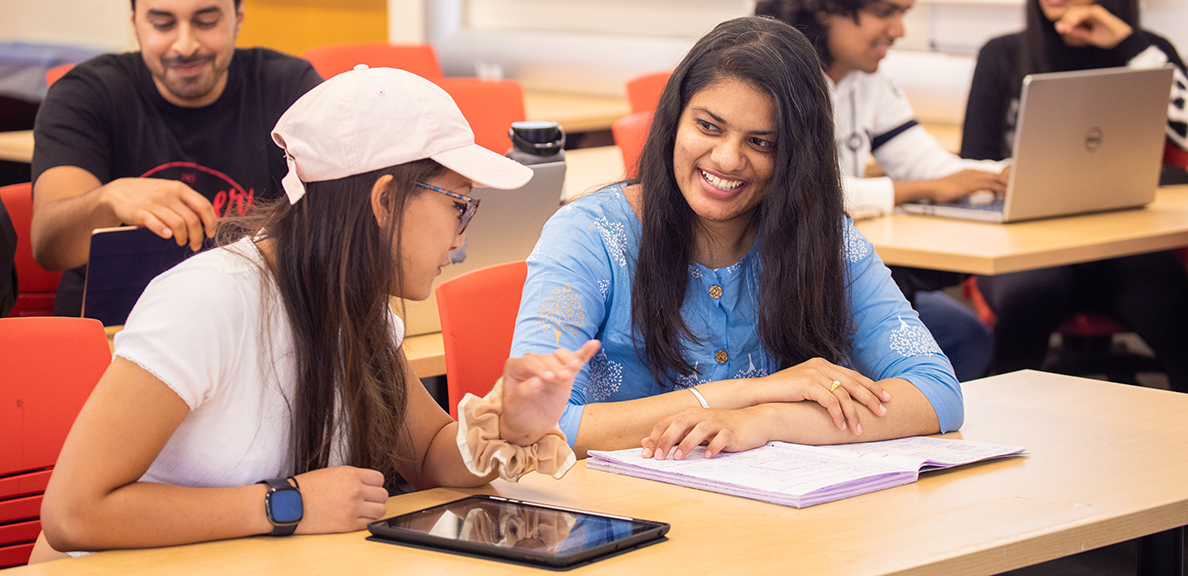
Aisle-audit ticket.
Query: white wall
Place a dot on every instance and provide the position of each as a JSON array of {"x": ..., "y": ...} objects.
[
  {"x": 595, "y": 47},
  {"x": 406, "y": 20},
  {"x": 963, "y": 25},
  {"x": 571, "y": 45},
  {"x": 102, "y": 24},
  {"x": 935, "y": 67},
  {"x": 945, "y": 25},
  {"x": 1168, "y": 18}
]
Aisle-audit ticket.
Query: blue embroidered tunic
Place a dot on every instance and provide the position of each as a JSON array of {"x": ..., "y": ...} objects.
[{"x": 579, "y": 287}]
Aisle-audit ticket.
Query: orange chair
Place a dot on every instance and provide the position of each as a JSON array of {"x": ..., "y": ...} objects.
[
  {"x": 53, "y": 74},
  {"x": 643, "y": 92},
  {"x": 38, "y": 286},
  {"x": 490, "y": 106},
  {"x": 478, "y": 316},
  {"x": 48, "y": 367},
  {"x": 630, "y": 133},
  {"x": 334, "y": 59}
]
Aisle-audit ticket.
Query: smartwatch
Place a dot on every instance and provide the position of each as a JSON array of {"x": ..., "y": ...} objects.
[{"x": 282, "y": 505}]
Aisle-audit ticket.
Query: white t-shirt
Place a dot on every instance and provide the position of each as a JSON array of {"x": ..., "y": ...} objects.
[
  {"x": 208, "y": 331},
  {"x": 872, "y": 115}
]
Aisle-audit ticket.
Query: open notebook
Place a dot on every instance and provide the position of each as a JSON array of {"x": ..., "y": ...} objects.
[{"x": 799, "y": 476}]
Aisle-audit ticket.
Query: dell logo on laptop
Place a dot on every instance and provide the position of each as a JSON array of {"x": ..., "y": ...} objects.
[{"x": 1093, "y": 139}]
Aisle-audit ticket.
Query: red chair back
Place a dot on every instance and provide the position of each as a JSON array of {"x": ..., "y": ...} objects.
[
  {"x": 53, "y": 74},
  {"x": 38, "y": 286},
  {"x": 1174, "y": 155},
  {"x": 478, "y": 316},
  {"x": 490, "y": 106},
  {"x": 643, "y": 92},
  {"x": 334, "y": 59},
  {"x": 48, "y": 367},
  {"x": 969, "y": 289},
  {"x": 630, "y": 133}
]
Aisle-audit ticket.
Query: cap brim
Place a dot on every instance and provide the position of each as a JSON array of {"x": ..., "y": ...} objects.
[{"x": 485, "y": 167}]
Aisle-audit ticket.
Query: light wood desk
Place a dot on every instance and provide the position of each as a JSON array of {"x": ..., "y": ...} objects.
[
  {"x": 575, "y": 112},
  {"x": 948, "y": 135},
  {"x": 1107, "y": 463},
  {"x": 16, "y": 146},
  {"x": 984, "y": 248},
  {"x": 588, "y": 169}
]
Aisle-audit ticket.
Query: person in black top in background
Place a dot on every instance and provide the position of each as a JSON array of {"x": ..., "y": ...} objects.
[
  {"x": 169, "y": 138},
  {"x": 8, "y": 275},
  {"x": 1148, "y": 293}
]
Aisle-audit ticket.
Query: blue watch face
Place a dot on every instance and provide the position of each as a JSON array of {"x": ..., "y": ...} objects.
[{"x": 285, "y": 506}]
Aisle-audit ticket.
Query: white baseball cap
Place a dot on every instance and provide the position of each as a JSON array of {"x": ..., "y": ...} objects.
[{"x": 372, "y": 118}]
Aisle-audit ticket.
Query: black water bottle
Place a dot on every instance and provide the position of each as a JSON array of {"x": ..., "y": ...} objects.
[{"x": 536, "y": 142}]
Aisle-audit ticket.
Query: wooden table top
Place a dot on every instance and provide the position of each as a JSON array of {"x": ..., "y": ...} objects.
[
  {"x": 589, "y": 169},
  {"x": 987, "y": 248},
  {"x": 1106, "y": 464},
  {"x": 575, "y": 112}
]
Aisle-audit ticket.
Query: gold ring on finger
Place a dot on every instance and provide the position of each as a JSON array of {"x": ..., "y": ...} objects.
[{"x": 835, "y": 385}]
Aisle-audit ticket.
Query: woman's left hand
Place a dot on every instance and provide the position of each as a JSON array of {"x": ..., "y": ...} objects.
[
  {"x": 1092, "y": 25},
  {"x": 724, "y": 430},
  {"x": 535, "y": 390}
]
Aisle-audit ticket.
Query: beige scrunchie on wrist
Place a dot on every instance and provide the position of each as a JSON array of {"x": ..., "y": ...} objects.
[{"x": 483, "y": 448}]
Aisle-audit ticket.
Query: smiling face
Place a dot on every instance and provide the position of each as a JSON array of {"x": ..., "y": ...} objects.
[
  {"x": 859, "y": 41},
  {"x": 187, "y": 46},
  {"x": 723, "y": 156},
  {"x": 429, "y": 231}
]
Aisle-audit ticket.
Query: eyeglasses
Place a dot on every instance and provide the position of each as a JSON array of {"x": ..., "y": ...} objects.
[{"x": 467, "y": 207}]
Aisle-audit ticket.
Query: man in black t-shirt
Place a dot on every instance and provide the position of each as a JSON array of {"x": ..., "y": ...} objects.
[
  {"x": 8, "y": 276},
  {"x": 169, "y": 138}
]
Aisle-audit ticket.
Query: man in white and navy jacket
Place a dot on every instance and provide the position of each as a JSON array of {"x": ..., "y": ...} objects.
[{"x": 874, "y": 117}]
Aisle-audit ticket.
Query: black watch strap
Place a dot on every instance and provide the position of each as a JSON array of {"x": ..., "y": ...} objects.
[{"x": 283, "y": 505}]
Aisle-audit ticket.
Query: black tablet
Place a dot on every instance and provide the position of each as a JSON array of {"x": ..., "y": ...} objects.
[
  {"x": 522, "y": 532},
  {"x": 121, "y": 264}
]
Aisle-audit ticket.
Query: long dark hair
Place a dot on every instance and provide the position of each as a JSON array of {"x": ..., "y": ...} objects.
[
  {"x": 802, "y": 14},
  {"x": 803, "y": 311},
  {"x": 1041, "y": 49},
  {"x": 334, "y": 269}
]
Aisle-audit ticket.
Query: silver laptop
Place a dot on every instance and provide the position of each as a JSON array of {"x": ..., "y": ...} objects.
[
  {"x": 1085, "y": 141},
  {"x": 505, "y": 229}
]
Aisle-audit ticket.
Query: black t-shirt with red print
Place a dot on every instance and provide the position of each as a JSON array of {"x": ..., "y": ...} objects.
[{"x": 107, "y": 117}]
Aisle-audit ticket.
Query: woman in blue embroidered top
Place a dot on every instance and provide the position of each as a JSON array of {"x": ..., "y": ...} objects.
[{"x": 729, "y": 269}]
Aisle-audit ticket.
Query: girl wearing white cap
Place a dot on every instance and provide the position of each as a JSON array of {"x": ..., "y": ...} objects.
[{"x": 260, "y": 388}]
